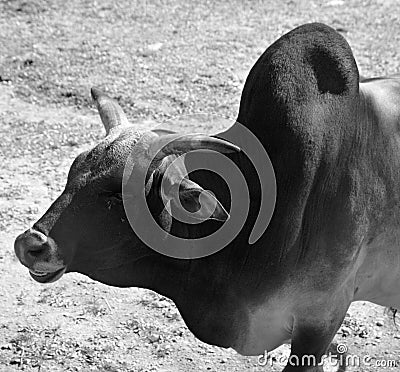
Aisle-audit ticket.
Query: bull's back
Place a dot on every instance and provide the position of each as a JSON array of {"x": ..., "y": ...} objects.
[{"x": 378, "y": 278}]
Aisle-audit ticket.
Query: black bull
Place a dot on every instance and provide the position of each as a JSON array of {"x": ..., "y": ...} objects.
[{"x": 333, "y": 238}]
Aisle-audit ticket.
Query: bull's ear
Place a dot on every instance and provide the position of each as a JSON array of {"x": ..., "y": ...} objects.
[{"x": 201, "y": 204}]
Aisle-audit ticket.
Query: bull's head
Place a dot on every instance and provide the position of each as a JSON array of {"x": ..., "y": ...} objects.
[{"x": 86, "y": 228}]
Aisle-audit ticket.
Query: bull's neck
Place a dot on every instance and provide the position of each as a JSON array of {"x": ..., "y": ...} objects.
[{"x": 231, "y": 269}]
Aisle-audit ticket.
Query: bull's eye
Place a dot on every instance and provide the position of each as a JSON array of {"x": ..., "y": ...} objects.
[{"x": 111, "y": 198}]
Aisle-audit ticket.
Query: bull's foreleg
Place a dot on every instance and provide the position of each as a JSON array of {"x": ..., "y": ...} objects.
[{"x": 311, "y": 340}]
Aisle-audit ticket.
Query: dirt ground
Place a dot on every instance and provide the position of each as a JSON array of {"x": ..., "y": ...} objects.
[{"x": 160, "y": 59}]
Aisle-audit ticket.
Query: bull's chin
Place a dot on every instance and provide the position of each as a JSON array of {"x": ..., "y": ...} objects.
[{"x": 47, "y": 277}]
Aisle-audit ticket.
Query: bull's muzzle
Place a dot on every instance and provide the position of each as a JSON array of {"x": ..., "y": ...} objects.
[{"x": 39, "y": 253}]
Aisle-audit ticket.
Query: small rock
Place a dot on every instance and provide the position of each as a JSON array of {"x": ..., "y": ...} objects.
[
  {"x": 380, "y": 323},
  {"x": 72, "y": 143},
  {"x": 346, "y": 331},
  {"x": 154, "y": 338},
  {"x": 154, "y": 47},
  {"x": 161, "y": 304},
  {"x": 335, "y": 3},
  {"x": 28, "y": 62},
  {"x": 15, "y": 360},
  {"x": 4, "y": 79}
]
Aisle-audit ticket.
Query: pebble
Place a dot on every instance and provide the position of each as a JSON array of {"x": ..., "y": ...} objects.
[
  {"x": 346, "y": 331},
  {"x": 162, "y": 303},
  {"x": 154, "y": 47},
  {"x": 154, "y": 338},
  {"x": 335, "y": 3}
]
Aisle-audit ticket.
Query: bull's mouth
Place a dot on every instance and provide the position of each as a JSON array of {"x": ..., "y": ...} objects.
[{"x": 44, "y": 277}]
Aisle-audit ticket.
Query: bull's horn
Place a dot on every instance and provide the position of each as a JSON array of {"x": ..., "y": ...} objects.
[
  {"x": 180, "y": 144},
  {"x": 110, "y": 111}
]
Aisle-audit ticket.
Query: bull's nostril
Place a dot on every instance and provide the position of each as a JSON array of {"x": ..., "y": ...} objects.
[
  {"x": 30, "y": 246},
  {"x": 35, "y": 251}
]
